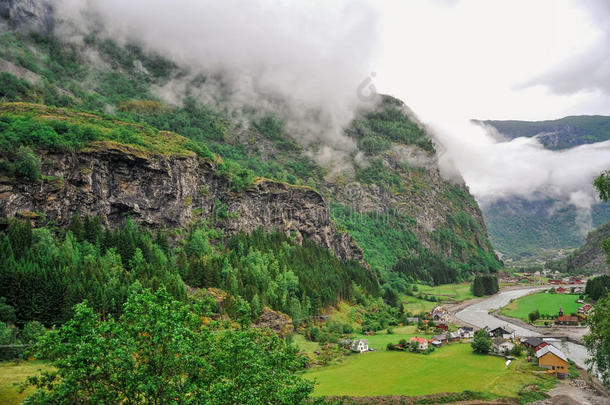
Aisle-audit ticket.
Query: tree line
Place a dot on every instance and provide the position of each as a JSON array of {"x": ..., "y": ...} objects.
[
  {"x": 44, "y": 272},
  {"x": 484, "y": 285}
]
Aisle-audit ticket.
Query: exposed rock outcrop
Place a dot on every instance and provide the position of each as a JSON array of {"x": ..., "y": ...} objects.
[
  {"x": 115, "y": 182},
  {"x": 29, "y": 15},
  {"x": 276, "y": 321}
]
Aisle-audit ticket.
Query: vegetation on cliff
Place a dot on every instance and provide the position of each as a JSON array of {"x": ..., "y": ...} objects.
[
  {"x": 118, "y": 106},
  {"x": 44, "y": 272}
]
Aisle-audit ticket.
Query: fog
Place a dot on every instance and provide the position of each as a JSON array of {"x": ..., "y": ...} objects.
[{"x": 450, "y": 61}]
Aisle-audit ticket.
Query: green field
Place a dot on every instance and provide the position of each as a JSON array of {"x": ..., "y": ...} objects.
[
  {"x": 443, "y": 293},
  {"x": 453, "y": 368},
  {"x": 11, "y": 375},
  {"x": 545, "y": 303},
  {"x": 381, "y": 339}
]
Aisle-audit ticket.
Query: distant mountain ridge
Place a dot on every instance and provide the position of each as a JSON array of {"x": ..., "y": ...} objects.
[
  {"x": 563, "y": 133},
  {"x": 590, "y": 257},
  {"x": 523, "y": 230}
]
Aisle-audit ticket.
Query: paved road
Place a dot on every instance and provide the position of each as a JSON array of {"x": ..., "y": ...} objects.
[{"x": 477, "y": 315}]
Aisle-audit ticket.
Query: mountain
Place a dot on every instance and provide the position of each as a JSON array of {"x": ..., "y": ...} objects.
[
  {"x": 589, "y": 258},
  {"x": 557, "y": 134},
  {"x": 537, "y": 230},
  {"x": 89, "y": 128},
  {"x": 525, "y": 231}
]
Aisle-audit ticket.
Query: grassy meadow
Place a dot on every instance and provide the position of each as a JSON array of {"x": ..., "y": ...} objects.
[
  {"x": 545, "y": 303},
  {"x": 14, "y": 373},
  {"x": 453, "y": 368}
]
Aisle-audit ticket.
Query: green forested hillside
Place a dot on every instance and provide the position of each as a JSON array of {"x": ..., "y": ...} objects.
[
  {"x": 54, "y": 98},
  {"x": 44, "y": 272},
  {"x": 524, "y": 230}
]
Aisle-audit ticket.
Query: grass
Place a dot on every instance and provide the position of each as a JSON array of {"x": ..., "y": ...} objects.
[
  {"x": 448, "y": 292},
  {"x": 445, "y": 293},
  {"x": 101, "y": 131},
  {"x": 11, "y": 375},
  {"x": 545, "y": 303},
  {"x": 305, "y": 345},
  {"x": 453, "y": 368},
  {"x": 381, "y": 339}
]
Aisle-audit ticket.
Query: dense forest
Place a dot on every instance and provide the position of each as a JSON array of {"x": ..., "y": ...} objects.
[{"x": 44, "y": 272}]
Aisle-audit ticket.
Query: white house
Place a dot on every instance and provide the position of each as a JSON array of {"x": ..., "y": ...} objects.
[
  {"x": 501, "y": 345},
  {"x": 466, "y": 332},
  {"x": 439, "y": 314},
  {"x": 360, "y": 345}
]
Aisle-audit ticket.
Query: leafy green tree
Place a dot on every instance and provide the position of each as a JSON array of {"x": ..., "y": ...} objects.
[
  {"x": 478, "y": 289},
  {"x": 7, "y": 312},
  {"x": 516, "y": 350},
  {"x": 31, "y": 332},
  {"x": 602, "y": 183},
  {"x": 534, "y": 315},
  {"x": 598, "y": 340},
  {"x": 27, "y": 164},
  {"x": 482, "y": 342},
  {"x": 159, "y": 352}
]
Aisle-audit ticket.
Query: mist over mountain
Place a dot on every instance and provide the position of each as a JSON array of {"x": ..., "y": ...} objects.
[{"x": 542, "y": 224}]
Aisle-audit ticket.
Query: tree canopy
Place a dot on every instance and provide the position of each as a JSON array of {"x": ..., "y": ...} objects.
[{"x": 163, "y": 351}]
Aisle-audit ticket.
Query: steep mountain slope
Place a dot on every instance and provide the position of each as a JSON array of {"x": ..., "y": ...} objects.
[
  {"x": 589, "y": 258},
  {"x": 389, "y": 197},
  {"x": 538, "y": 230},
  {"x": 524, "y": 230}
]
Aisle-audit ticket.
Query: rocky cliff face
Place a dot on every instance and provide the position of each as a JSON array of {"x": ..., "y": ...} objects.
[
  {"x": 115, "y": 182},
  {"x": 30, "y": 15}
]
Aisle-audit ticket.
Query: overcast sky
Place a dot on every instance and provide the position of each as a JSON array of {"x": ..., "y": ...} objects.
[
  {"x": 453, "y": 61},
  {"x": 514, "y": 59}
]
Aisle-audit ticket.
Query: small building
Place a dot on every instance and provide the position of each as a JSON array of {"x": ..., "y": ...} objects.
[
  {"x": 440, "y": 338},
  {"x": 439, "y": 314},
  {"x": 360, "y": 346},
  {"x": 552, "y": 358},
  {"x": 466, "y": 332},
  {"x": 501, "y": 345},
  {"x": 585, "y": 309},
  {"x": 422, "y": 343},
  {"x": 502, "y": 331},
  {"x": 532, "y": 343},
  {"x": 413, "y": 319},
  {"x": 455, "y": 336},
  {"x": 442, "y": 326},
  {"x": 436, "y": 343},
  {"x": 567, "y": 320},
  {"x": 562, "y": 290}
]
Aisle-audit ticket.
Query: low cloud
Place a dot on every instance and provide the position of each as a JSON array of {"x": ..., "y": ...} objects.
[{"x": 303, "y": 60}]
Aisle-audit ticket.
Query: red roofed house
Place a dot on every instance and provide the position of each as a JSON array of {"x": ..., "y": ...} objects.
[
  {"x": 567, "y": 320},
  {"x": 585, "y": 309},
  {"x": 422, "y": 343},
  {"x": 562, "y": 290}
]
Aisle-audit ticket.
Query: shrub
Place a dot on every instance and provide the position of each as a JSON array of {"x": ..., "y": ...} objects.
[{"x": 27, "y": 164}]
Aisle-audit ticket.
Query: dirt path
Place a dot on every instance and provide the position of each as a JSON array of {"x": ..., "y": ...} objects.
[{"x": 574, "y": 392}]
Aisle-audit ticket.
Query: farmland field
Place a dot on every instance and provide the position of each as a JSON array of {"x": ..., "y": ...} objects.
[
  {"x": 12, "y": 374},
  {"x": 545, "y": 303},
  {"x": 453, "y": 368},
  {"x": 443, "y": 293}
]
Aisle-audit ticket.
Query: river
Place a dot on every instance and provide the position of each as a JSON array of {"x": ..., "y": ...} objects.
[{"x": 478, "y": 315}]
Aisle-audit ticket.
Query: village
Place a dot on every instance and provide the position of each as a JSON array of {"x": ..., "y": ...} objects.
[{"x": 546, "y": 352}]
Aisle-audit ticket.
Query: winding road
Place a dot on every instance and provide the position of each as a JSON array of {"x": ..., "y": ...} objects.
[{"x": 478, "y": 315}]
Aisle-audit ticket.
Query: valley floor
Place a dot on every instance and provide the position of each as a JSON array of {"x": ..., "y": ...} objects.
[
  {"x": 453, "y": 368},
  {"x": 12, "y": 374}
]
